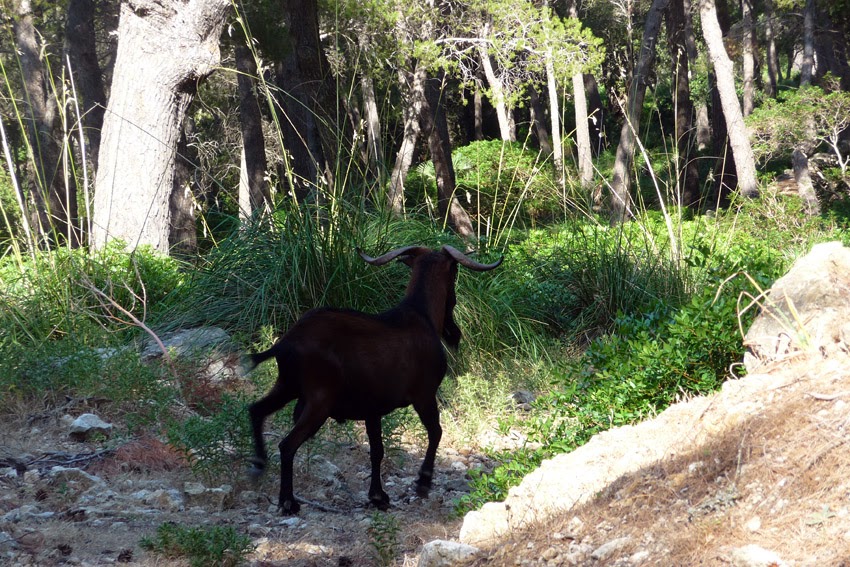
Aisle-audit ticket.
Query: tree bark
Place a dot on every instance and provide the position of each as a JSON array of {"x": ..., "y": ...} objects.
[
  {"x": 585, "y": 155},
  {"x": 688, "y": 173},
  {"x": 81, "y": 49},
  {"x": 831, "y": 49},
  {"x": 434, "y": 123},
  {"x": 555, "y": 119},
  {"x": 54, "y": 189},
  {"x": 621, "y": 199},
  {"x": 703, "y": 124},
  {"x": 805, "y": 188},
  {"x": 413, "y": 112},
  {"x": 165, "y": 48},
  {"x": 254, "y": 194},
  {"x": 498, "y": 94},
  {"x": 182, "y": 235},
  {"x": 538, "y": 122},
  {"x": 596, "y": 115},
  {"x": 770, "y": 48},
  {"x": 300, "y": 76},
  {"x": 748, "y": 49},
  {"x": 373, "y": 128},
  {"x": 738, "y": 137},
  {"x": 808, "y": 44}
]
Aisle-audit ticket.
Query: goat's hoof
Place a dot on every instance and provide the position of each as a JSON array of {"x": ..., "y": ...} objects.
[
  {"x": 289, "y": 507},
  {"x": 380, "y": 501},
  {"x": 422, "y": 490}
]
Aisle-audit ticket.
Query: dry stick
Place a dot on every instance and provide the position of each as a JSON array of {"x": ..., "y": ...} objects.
[{"x": 135, "y": 320}]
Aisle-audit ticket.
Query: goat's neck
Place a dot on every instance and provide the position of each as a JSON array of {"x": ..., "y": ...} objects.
[{"x": 430, "y": 301}]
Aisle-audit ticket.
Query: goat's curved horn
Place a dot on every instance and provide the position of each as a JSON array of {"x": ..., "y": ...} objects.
[
  {"x": 391, "y": 255},
  {"x": 465, "y": 261}
]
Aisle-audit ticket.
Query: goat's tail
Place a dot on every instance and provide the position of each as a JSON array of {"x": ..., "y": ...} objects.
[{"x": 250, "y": 361}]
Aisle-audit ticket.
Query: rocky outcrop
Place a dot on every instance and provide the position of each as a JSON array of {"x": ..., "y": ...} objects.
[
  {"x": 806, "y": 310},
  {"x": 798, "y": 345}
]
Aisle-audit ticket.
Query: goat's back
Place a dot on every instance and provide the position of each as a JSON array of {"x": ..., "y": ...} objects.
[{"x": 365, "y": 363}]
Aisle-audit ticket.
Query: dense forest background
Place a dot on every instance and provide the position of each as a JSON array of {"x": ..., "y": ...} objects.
[{"x": 647, "y": 169}]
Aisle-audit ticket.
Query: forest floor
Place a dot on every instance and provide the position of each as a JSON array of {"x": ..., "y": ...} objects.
[{"x": 776, "y": 484}]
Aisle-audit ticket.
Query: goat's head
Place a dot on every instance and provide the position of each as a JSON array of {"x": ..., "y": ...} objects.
[{"x": 432, "y": 281}]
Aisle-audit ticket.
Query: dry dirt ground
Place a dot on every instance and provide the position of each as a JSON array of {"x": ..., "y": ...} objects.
[
  {"x": 49, "y": 519},
  {"x": 775, "y": 485}
]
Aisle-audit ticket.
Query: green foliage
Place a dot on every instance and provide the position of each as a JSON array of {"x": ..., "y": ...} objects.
[
  {"x": 802, "y": 118},
  {"x": 212, "y": 443},
  {"x": 203, "y": 546},
  {"x": 383, "y": 533},
  {"x": 498, "y": 183}
]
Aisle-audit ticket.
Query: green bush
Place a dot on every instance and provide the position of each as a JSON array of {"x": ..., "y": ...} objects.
[
  {"x": 497, "y": 183},
  {"x": 206, "y": 546}
]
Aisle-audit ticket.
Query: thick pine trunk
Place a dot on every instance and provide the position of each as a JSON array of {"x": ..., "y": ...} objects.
[
  {"x": 254, "y": 194},
  {"x": 374, "y": 146},
  {"x": 621, "y": 199},
  {"x": 585, "y": 156},
  {"x": 164, "y": 50},
  {"x": 555, "y": 118},
  {"x": 434, "y": 123},
  {"x": 182, "y": 235},
  {"x": 805, "y": 187},
  {"x": 724, "y": 73}
]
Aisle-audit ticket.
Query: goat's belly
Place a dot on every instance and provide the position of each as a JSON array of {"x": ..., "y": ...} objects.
[{"x": 359, "y": 412}]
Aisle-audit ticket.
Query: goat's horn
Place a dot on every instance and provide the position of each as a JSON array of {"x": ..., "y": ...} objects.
[
  {"x": 391, "y": 255},
  {"x": 465, "y": 261}
]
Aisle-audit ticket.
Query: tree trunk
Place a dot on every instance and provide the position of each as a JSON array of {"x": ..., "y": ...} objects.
[
  {"x": 831, "y": 49},
  {"x": 585, "y": 156},
  {"x": 703, "y": 124},
  {"x": 373, "y": 128},
  {"x": 254, "y": 194},
  {"x": 165, "y": 48},
  {"x": 182, "y": 236},
  {"x": 81, "y": 49},
  {"x": 596, "y": 115},
  {"x": 748, "y": 52},
  {"x": 808, "y": 44},
  {"x": 688, "y": 174},
  {"x": 479, "y": 120},
  {"x": 724, "y": 72},
  {"x": 770, "y": 46},
  {"x": 621, "y": 199},
  {"x": 53, "y": 189},
  {"x": 300, "y": 76},
  {"x": 413, "y": 112},
  {"x": 538, "y": 122},
  {"x": 434, "y": 123},
  {"x": 805, "y": 188},
  {"x": 555, "y": 118},
  {"x": 498, "y": 94}
]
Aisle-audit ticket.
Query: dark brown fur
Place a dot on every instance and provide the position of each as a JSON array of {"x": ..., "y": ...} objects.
[{"x": 345, "y": 364}]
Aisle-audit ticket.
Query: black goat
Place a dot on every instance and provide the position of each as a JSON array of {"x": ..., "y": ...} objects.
[{"x": 345, "y": 364}]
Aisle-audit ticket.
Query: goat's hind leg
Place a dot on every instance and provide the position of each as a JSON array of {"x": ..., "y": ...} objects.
[
  {"x": 377, "y": 496},
  {"x": 308, "y": 424},
  {"x": 279, "y": 396},
  {"x": 429, "y": 413}
]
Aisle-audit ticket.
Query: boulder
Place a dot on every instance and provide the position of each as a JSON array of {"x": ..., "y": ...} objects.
[
  {"x": 88, "y": 424},
  {"x": 807, "y": 309},
  {"x": 442, "y": 553}
]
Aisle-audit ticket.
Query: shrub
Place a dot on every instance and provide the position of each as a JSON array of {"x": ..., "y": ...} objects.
[{"x": 218, "y": 546}]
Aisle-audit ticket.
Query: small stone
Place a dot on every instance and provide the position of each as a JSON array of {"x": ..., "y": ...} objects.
[
  {"x": 441, "y": 553},
  {"x": 754, "y": 524},
  {"x": 606, "y": 550}
]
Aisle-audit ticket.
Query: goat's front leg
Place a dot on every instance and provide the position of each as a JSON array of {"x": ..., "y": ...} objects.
[
  {"x": 429, "y": 413},
  {"x": 377, "y": 496},
  {"x": 308, "y": 424}
]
